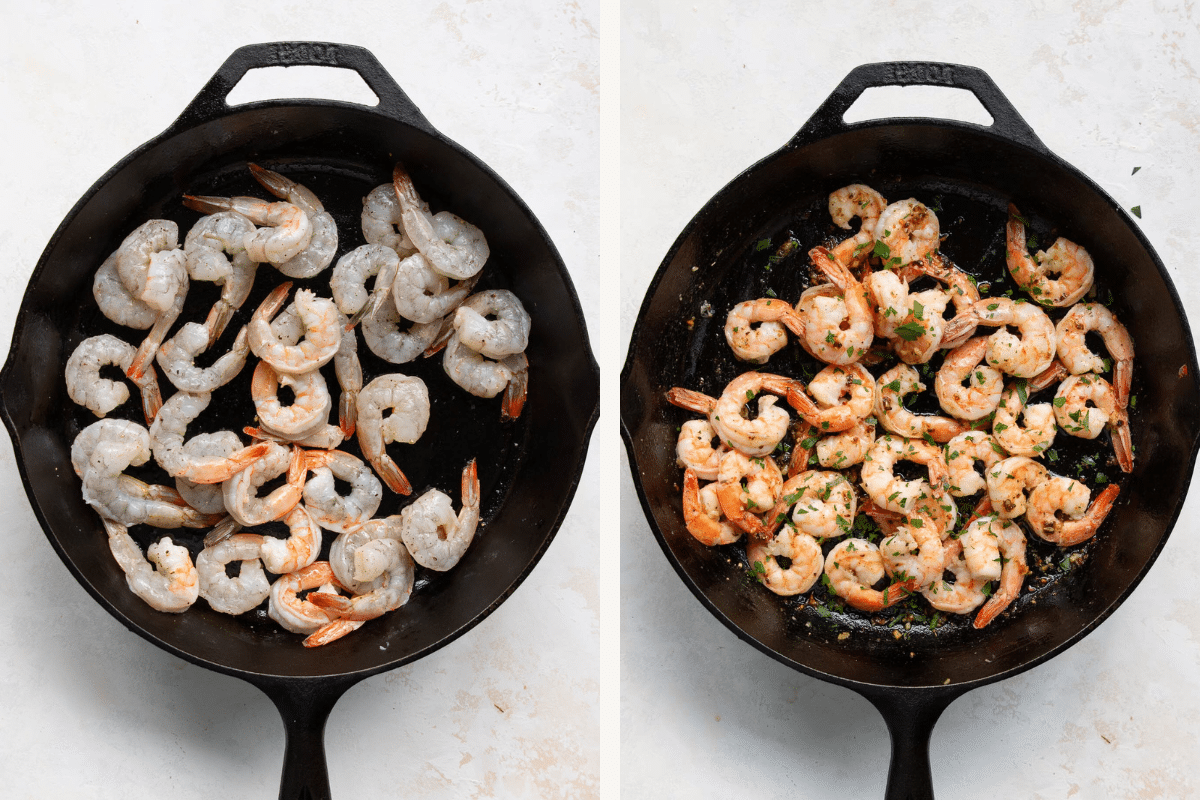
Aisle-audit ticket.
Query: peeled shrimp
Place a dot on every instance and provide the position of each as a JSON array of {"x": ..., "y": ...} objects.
[
  {"x": 384, "y": 338},
  {"x": 310, "y": 406},
  {"x": 435, "y": 537},
  {"x": 822, "y": 504},
  {"x": 757, "y": 329},
  {"x": 801, "y": 550},
  {"x": 215, "y": 251},
  {"x": 298, "y": 550},
  {"x": 828, "y": 388},
  {"x": 1066, "y": 259},
  {"x": 921, "y": 329},
  {"x": 854, "y": 566},
  {"x": 855, "y": 200},
  {"x": 295, "y": 614},
  {"x": 841, "y": 450},
  {"x": 913, "y": 555},
  {"x": 702, "y": 512},
  {"x": 286, "y": 230},
  {"x": 322, "y": 332},
  {"x": 165, "y": 577},
  {"x": 1024, "y": 356},
  {"x": 484, "y": 377},
  {"x": 99, "y": 395},
  {"x": 1078, "y": 359},
  {"x": 423, "y": 295},
  {"x": 177, "y": 357},
  {"x": 760, "y": 435},
  {"x": 967, "y": 388},
  {"x": 116, "y": 302},
  {"x": 965, "y": 594},
  {"x": 381, "y": 223},
  {"x": 322, "y": 245},
  {"x": 391, "y": 591},
  {"x": 1010, "y": 543},
  {"x": 330, "y": 509},
  {"x": 908, "y": 230},
  {"x": 408, "y": 400},
  {"x": 151, "y": 265},
  {"x": 349, "y": 279},
  {"x": 207, "y": 497},
  {"x": 505, "y": 335},
  {"x": 838, "y": 333},
  {"x": 1037, "y": 433},
  {"x": 1010, "y": 481},
  {"x": 1087, "y": 404},
  {"x": 962, "y": 453},
  {"x": 694, "y": 449},
  {"x": 241, "y": 491},
  {"x": 361, "y": 556},
  {"x": 454, "y": 247},
  {"x": 1069, "y": 498},
  {"x": 890, "y": 492},
  {"x": 233, "y": 595},
  {"x": 893, "y": 385},
  {"x": 748, "y": 489},
  {"x": 167, "y": 442}
]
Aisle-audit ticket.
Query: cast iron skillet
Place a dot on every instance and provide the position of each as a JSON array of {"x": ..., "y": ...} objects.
[
  {"x": 529, "y": 469},
  {"x": 971, "y": 172}
]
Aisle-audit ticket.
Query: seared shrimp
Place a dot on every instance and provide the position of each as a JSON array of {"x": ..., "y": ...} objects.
[
  {"x": 322, "y": 245},
  {"x": 300, "y": 549},
  {"x": 1078, "y": 359},
  {"x": 1086, "y": 404},
  {"x": 963, "y": 452},
  {"x": 177, "y": 357},
  {"x": 322, "y": 332},
  {"x": 702, "y": 512},
  {"x": 845, "y": 449},
  {"x": 1010, "y": 481},
  {"x": 894, "y": 384},
  {"x": 165, "y": 578},
  {"x": 286, "y": 230},
  {"x": 913, "y": 555},
  {"x": 435, "y": 536},
  {"x": 330, "y": 509},
  {"x": 908, "y": 230},
  {"x": 216, "y": 252},
  {"x": 310, "y": 406},
  {"x": 233, "y": 595},
  {"x": 241, "y": 491},
  {"x": 965, "y": 594},
  {"x": 748, "y": 489},
  {"x": 757, "y": 329},
  {"x": 759, "y": 435},
  {"x": 116, "y": 302},
  {"x": 822, "y": 504},
  {"x": 151, "y": 265},
  {"x": 291, "y": 611},
  {"x": 1069, "y": 498},
  {"x": 921, "y": 330},
  {"x": 99, "y": 395},
  {"x": 454, "y": 247},
  {"x": 1037, "y": 433},
  {"x": 1070, "y": 262},
  {"x": 966, "y": 388},
  {"x": 890, "y": 492},
  {"x": 855, "y": 200},
  {"x": 828, "y": 388},
  {"x": 167, "y": 442},
  {"x": 694, "y": 449},
  {"x": 854, "y": 566},
  {"x": 408, "y": 400},
  {"x": 1010, "y": 543},
  {"x": 805, "y": 561},
  {"x": 838, "y": 333},
  {"x": 1024, "y": 356}
]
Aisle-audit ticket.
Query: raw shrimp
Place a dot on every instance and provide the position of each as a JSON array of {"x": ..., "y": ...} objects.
[
  {"x": 331, "y": 510},
  {"x": 99, "y": 395},
  {"x": 165, "y": 578},
  {"x": 177, "y": 357},
  {"x": 116, "y": 302},
  {"x": 349, "y": 280},
  {"x": 435, "y": 537},
  {"x": 151, "y": 265},
  {"x": 505, "y": 335},
  {"x": 838, "y": 333},
  {"x": 1078, "y": 359},
  {"x": 1011, "y": 546},
  {"x": 322, "y": 331},
  {"x": 803, "y": 554},
  {"x": 1078, "y": 521},
  {"x": 381, "y": 223},
  {"x": 894, "y": 385},
  {"x": 893, "y": 493},
  {"x": 828, "y": 388},
  {"x": 322, "y": 246},
  {"x": 913, "y": 555},
  {"x": 300, "y": 549},
  {"x": 1024, "y": 356},
  {"x": 348, "y": 370},
  {"x": 760, "y": 435},
  {"x": 755, "y": 329},
  {"x": 963, "y": 452},
  {"x": 1010, "y": 480},
  {"x": 167, "y": 437},
  {"x": 906, "y": 231},
  {"x": 215, "y": 251},
  {"x": 286, "y": 229},
  {"x": 1078, "y": 418},
  {"x": 233, "y": 595},
  {"x": 384, "y": 338},
  {"x": 1070, "y": 262},
  {"x": 148, "y": 349},
  {"x": 822, "y": 504},
  {"x": 454, "y": 247},
  {"x": 965, "y": 594},
  {"x": 702, "y": 512},
  {"x": 694, "y": 449},
  {"x": 289, "y": 610},
  {"x": 484, "y": 377},
  {"x": 408, "y": 400},
  {"x": 854, "y": 566},
  {"x": 241, "y": 491},
  {"x": 310, "y": 407},
  {"x": 361, "y": 556},
  {"x": 966, "y": 388},
  {"x": 1037, "y": 433},
  {"x": 423, "y": 295},
  {"x": 748, "y": 489},
  {"x": 207, "y": 497},
  {"x": 392, "y": 590},
  {"x": 855, "y": 200}
]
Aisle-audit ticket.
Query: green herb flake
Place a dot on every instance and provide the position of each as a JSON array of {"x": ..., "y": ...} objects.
[
  {"x": 771, "y": 293},
  {"x": 1135, "y": 171},
  {"x": 882, "y": 250},
  {"x": 1137, "y": 211},
  {"x": 763, "y": 244},
  {"x": 918, "y": 310},
  {"x": 1059, "y": 402},
  {"x": 910, "y": 331}
]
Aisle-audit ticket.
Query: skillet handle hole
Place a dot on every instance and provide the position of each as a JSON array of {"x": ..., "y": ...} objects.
[
  {"x": 934, "y": 102},
  {"x": 319, "y": 83}
]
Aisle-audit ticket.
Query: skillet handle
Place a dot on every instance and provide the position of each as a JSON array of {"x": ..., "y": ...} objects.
[
  {"x": 828, "y": 118},
  {"x": 910, "y": 715},
  {"x": 210, "y": 103},
  {"x": 305, "y": 706}
]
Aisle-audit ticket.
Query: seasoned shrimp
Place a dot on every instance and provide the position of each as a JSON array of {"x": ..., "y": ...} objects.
[
  {"x": 702, "y": 512},
  {"x": 828, "y": 388},
  {"x": 286, "y": 230},
  {"x": 1010, "y": 481},
  {"x": 822, "y": 504},
  {"x": 241, "y": 491},
  {"x": 454, "y": 247},
  {"x": 913, "y": 555},
  {"x": 100, "y": 395},
  {"x": 423, "y": 295},
  {"x": 322, "y": 332},
  {"x": 838, "y": 333},
  {"x": 385, "y": 339},
  {"x": 1069, "y": 498},
  {"x": 1070, "y": 262},
  {"x": 165, "y": 578},
  {"x": 1037, "y": 433},
  {"x": 215, "y": 251},
  {"x": 298, "y": 550},
  {"x": 694, "y": 449},
  {"x": 408, "y": 400},
  {"x": 233, "y": 595},
  {"x": 1010, "y": 543},
  {"x": 803, "y": 554},
  {"x": 435, "y": 537},
  {"x": 963, "y": 452},
  {"x": 759, "y": 435},
  {"x": 966, "y": 388},
  {"x": 310, "y": 407},
  {"x": 167, "y": 442},
  {"x": 484, "y": 377},
  {"x": 361, "y": 556},
  {"x": 962, "y": 596},
  {"x": 855, "y": 200},
  {"x": 1024, "y": 356},
  {"x": 330, "y": 509},
  {"x": 295, "y": 614},
  {"x": 845, "y": 449},
  {"x": 392, "y": 590},
  {"x": 177, "y": 357},
  {"x": 348, "y": 370},
  {"x": 505, "y": 335},
  {"x": 116, "y": 302},
  {"x": 381, "y": 222},
  {"x": 322, "y": 245},
  {"x": 148, "y": 349},
  {"x": 1084, "y": 405},
  {"x": 906, "y": 230},
  {"x": 921, "y": 329},
  {"x": 893, "y": 493},
  {"x": 854, "y": 566},
  {"x": 151, "y": 265},
  {"x": 757, "y": 329},
  {"x": 349, "y": 280},
  {"x": 748, "y": 489},
  {"x": 207, "y": 498},
  {"x": 894, "y": 385},
  {"x": 890, "y": 301},
  {"x": 1078, "y": 359}
]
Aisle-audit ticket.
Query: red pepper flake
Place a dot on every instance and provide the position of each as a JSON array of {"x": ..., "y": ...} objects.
[{"x": 1183, "y": 371}]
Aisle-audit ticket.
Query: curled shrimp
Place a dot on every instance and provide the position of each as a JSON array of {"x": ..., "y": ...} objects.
[
  {"x": 894, "y": 385},
  {"x": 892, "y": 493},
  {"x": 805, "y": 561},
  {"x": 1009, "y": 544},
  {"x": 822, "y": 504},
  {"x": 235, "y": 595},
  {"x": 435, "y": 536},
  {"x": 694, "y": 449},
  {"x": 177, "y": 357},
  {"x": 207, "y": 498},
  {"x": 294, "y": 613},
  {"x": 759, "y": 435},
  {"x": 151, "y": 265},
  {"x": 845, "y": 449},
  {"x": 322, "y": 331},
  {"x": 907, "y": 230},
  {"x": 298, "y": 550},
  {"x": 1058, "y": 510},
  {"x": 846, "y": 203},
  {"x": 349, "y": 280},
  {"x": 215, "y": 251},
  {"x": 407, "y": 398},
  {"x": 310, "y": 407},
  {"x": 505, "y": 335},
  {"x": 921, "y": 329},
  {"x": 913, "y": 555},
  {"x": 966, "y": 387},
  {"x": 322, "y": 245},
  {"x": 454, "y": 247},
  {"x": 285, "y": 229},
  {"x": 100, "y": 395},
  {"x": 167, "y": 443},
  {"x": 1084, "y": 405},
  {"x": 702, "y": 512},
  {"x": 424, "y": 295},
  {"x": 330, "y": 509},
  {"x": 1078, "y": 359},
  {"x": 381, "y": 221},
  {"x": 748, "y": 489},
  {"x": 1070, "y": 262},
  {"x": 1021, "y": 356},
  {"x": 390, "y": 591},
  {"x": 484, "y": 377},
  {"x": 1010, "y": 481},
  {"x": 757, "y": 329},
  {"x": 838, "y": 333},
  {"x": 165, "y": 577},
  {"x": 116, "y": 302},
  {"x": 962, "y": 596},
  {"x": 1037, "y": 433},
  {"x": 846, "y": 397},
  {"x": 386, "y": 339},
  {"x": 241, "y": 491},
  {"x": 854, "y": 567},
  {"x": 963, "y": 452},
  {"x": 359, "y": 557}
]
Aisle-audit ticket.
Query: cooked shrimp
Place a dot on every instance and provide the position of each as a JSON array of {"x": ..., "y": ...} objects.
[
  {"x": 828, "y": 388},
  {"x": 920, "y": 331},
  {"x": 151, "y": 265},
  {"x": 855, "y": 200},
  {"x": 1024, "y": 356},
  {"x": 423, "y": 295},
  {"x": 454, "y": 247},
  {"x": 177, "y": 357},
  {"x": 1010, "y": 543},
  {"x": 165, "y": 578},
  {"x": 1010, "y": 481},
  {"x": 838, "y": 333},
  {"x": 322, "y": 245},
  {"x": 845, "y": 449},
  {"x": 310, "y": 407},
  {"x": 694, "y": 449},
  {"x": 215, "y": 252},
  {"x": 299, "y": 549},
  {"x": 233, "y": 595},
  {"x": 893, "y": 493},
  {"x": 959, "y": 285},
  {"x": 1070, "y": 262},
  {"x": 207, "y": 498},
  {"x": 1069, "y": 498},
  {"x": 854, "y": 566},
  {"x": 435, "y": 537},
  {"x": 385, "y": 339},
  {"x": 392, "y": 590},
  {"x": 381, "y": 222},
  {"x": 748, "y": 489},
  {"x": 894, "y": 385},
  {"x": 761, "y": 434},
  {"x": 505, "y": 335},
  {"x": 241, "y": 491},
  {"x": 116, "y": 302},
  {"x": 167, "y": 442},
  {"x": 822, "y": 504},
  {"x": 361, "y": 556},
  {"x": 913, "y": 555},
  {"x": 286, "y": 230},
  {"x": 291, "y": 611},
  {"x": 803, "y": 554},
  {"x": 757, "y": 329},
  {"x": 966, "y": 388},
  {"x": 1078, "y": 359},
  {"x": 890, "y": 301},
  {"x": 963, "y": 452},
  {"x": 349, "y": 280},
  {"x": 965, "y": 594},
  {"x": 1086, "y": 404},
  {"x": 1037, "y": 433},
  {"x": 702, "y": 512},
  {"x": 907, "y": 230},
  {"x": 330, "y": 509},
  {"x": 322, "y": 332},
  {"x": 408, "y": 400},
  {"x": 100, "y": 395}
]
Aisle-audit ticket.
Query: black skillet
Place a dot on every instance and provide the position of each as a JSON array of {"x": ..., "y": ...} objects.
[
  {"x": 970, "y": 172},
  {"x": 529, "y": 469}
]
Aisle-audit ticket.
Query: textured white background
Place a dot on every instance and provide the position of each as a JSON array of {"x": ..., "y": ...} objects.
[
  {"x": 705, "y": 93},
  {"x": 511, "y": 709}
]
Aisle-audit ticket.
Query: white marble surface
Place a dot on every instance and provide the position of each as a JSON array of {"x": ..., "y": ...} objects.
[
  {"x": 511, "y": 709},
  {"x": 706, "y": 92}
]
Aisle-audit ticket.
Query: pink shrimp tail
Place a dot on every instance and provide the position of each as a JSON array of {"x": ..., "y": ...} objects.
[
  {"x": 391, "y": 475},
  {"x": 514, "y": 395},
  {"x": 332, "y": 631},
  {"x": 470, "y": 485}
]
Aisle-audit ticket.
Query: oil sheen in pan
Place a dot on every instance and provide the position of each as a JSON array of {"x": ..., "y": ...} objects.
[{"x": 973, "y": 231}]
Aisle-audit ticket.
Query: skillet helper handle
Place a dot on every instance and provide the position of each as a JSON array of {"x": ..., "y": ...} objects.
[
  {"x": 1006, "y": 122},
  {"x": 910, "y": 715},
  {"x": 305, "y": 706},
  {"x": 210, "y": 103}
]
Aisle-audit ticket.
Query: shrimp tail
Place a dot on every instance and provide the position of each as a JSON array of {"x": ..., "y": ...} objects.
[
  {"x": 831, "y": 268},
  {"x": 152, "y": 399},
  {"x": 274, "y": 301},
  {"x": 217, "y": 320},
  {"x": 1122, "y": 441},
  {"x": 402, "y": 184},
  {"x": 803, "y": 404},
  {"x": 391, "y": 475},
  {"x": 470, "y": 485},
  {"x": 691, "y": 400},
  {"x": 806, "y": 439},
  {"x": 332, "y": 631},
  {"x": 443, "y": 337},
  {"x": 514, "y": 395},
  {"x": 222, "y": 530},
  {"x": 273, "y": 182},
  {"x": 1053, "y": 374},
  {"x": 348, "y": 412},
  {"x": 206, "y": 204}
]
